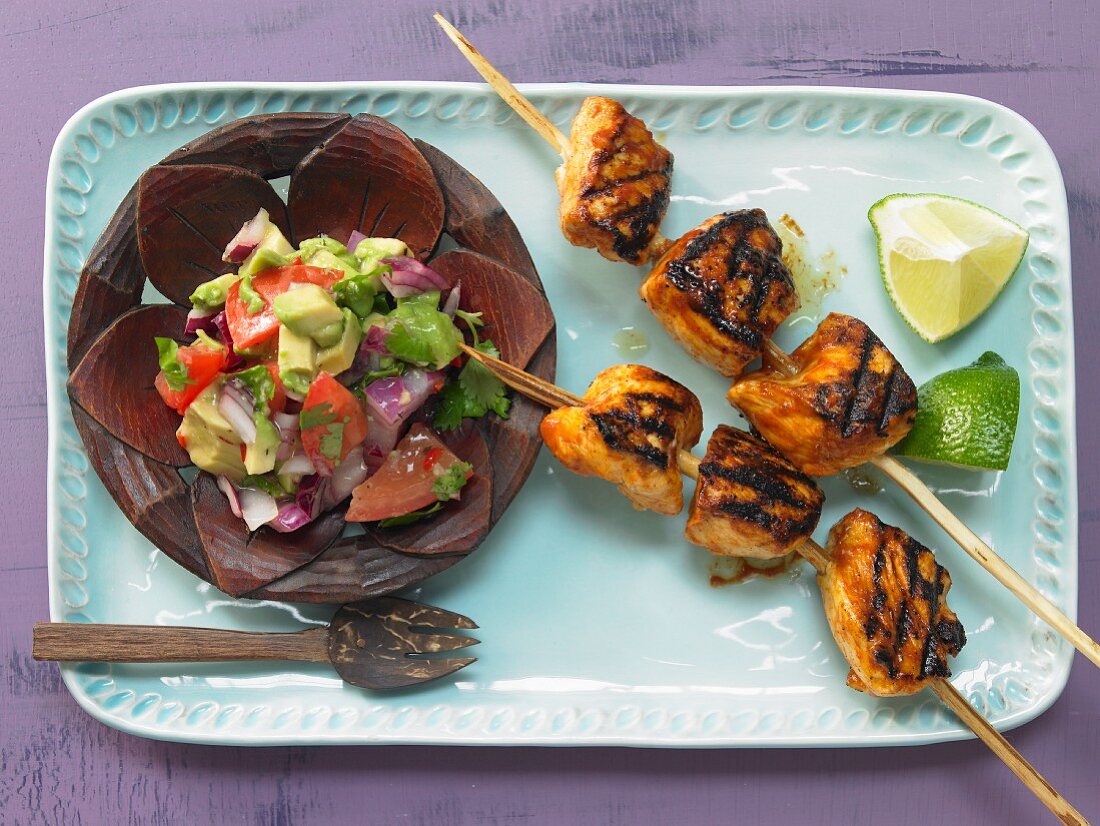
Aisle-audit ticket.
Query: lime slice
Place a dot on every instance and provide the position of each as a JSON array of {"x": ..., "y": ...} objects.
[
  {"x": 966, "y": 417},
  {"x": 943, "y": 259}
]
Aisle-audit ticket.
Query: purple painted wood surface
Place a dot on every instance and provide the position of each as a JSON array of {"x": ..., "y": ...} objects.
[{"x": 57, "y": 765}]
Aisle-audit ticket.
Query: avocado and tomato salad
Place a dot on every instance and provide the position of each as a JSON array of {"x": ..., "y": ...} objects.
[{"x": 307, "y": 376}]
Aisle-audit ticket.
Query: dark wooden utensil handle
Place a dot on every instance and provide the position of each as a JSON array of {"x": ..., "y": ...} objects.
[{"x": 88, "y": 642}]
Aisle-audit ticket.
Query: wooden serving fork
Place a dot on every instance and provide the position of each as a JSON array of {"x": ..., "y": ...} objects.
[{"x": 372, "y": 644}]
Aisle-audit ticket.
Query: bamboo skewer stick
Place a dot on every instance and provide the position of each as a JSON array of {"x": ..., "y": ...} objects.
[
  {"x": 553, "y": 397},
  {"x": 777, "y": 358},
  {"x": 503, "y": 87}
]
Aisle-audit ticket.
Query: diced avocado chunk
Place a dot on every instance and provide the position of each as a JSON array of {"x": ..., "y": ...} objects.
[
  {"x": 210, "y": 295},
  {"x": 338, "y": 358},
  {"x": 297, "y": 361},
  {"x": 370, "y": 251},
  {"x": 308, "y": 310},
  {"x": 273, "y": 251},
  {"x": 329, "y": 261},
  {"x": 259, "y": 456},
  {"x": 330, "y": 334},
  {"x": 210, "y": 440},
  {"x": 323, "y": 251}
]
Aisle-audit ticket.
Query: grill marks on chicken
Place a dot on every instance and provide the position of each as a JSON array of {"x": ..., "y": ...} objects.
[
  {"x": 629, "y": 431},
  {"x": 885, "y": 598},
  {"x": 722, "y": 289},
  {"x": 749, "y": 500},
  {"x": 614, "y": 183},
  {"x": 849, "y": 401}
]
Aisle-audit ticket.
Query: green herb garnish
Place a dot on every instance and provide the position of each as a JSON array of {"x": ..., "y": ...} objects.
[
  {"x": 409, "y": 518},
  {"x": 175, "y": 374},
  {"x": 475, "y": 392},
  {"x": 451, "y": 481},
  {"x": 319, "y": 414},
  {"x": 268, "y": 483}
]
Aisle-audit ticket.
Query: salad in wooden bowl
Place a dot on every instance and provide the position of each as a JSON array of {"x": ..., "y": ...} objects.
[{"x": 309, "y": 366}]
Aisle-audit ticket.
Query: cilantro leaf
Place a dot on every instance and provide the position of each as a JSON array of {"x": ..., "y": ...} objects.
[
  {"x": 319, "y": 414},
  {"x": 265, "y": 482},
  {"x": 474, "y": 393},
  {"x": 408, "y": 518},
  {"x": 260, "y": 384},
  {"x": 332, "y": 443},
  {"x": 452, "y": 408},
  {"x": 253, "y": 301},
  {"x": 175, "y": 374},
  {"x": 451, "y": 481},
  {"x": 481, "y": 386}
]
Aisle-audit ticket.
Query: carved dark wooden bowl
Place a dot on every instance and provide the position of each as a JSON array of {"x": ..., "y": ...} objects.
[{"x": 346, "y": 173}]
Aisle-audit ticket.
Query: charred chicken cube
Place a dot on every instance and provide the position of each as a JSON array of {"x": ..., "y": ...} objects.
[
  {"x": 885, "y": 599},
  {"x": 722, "y": 289},
  {"x": 849, "y": 401},
  {"x": 749, "y": 500},
  {"x": 614, "y": 184},
  {"x": 629, "y": 431}
]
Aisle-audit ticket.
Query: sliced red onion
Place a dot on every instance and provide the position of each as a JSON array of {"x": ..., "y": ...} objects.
[
  {"x": 375, "y": 341},
  {"x": 236, "y": 406},
  {"x": 373, "y": 454},
  {"x": 354, "y": 239},
  {"x": 312, "y": 494},
  {"x": 289, "y": 517},
  {"x": 221, "y": 323},
  {"x": 250, "y": 236},
  {"x": 451, "y": 304},
  {"x": 298, "y": 465},
  {"x": 227, "y": 487},
  {"x": 257, "y": 507},
  {"x": 421, "y": 384},
  {"x": 382, "y": 437},
  {"x": 390, "y": 402},
  {"x": 349, "y": 474},
  {"x": 288, "y": 422},
  {"x": 388, "y": 399},
  {"x": 201, "y": 320},
  {"x": 410, "y": 277}
]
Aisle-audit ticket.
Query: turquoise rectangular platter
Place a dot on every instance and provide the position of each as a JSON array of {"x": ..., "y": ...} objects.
[{"x": 598, "y": 624}]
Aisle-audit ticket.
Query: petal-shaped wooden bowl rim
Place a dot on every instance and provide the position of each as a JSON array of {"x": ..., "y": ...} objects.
[{"x": 354, "y": 567}]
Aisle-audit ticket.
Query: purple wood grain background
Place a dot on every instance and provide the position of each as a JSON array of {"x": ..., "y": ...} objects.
[{"x": 57, "y": 765}]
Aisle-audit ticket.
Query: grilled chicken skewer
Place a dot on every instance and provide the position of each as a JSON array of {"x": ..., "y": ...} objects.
[
  {"x": 615, "y": 177},
  {"x": 552, "y": 396},
  {"x": 681, "y": 328},
  {"x": 884, "y": 594}
]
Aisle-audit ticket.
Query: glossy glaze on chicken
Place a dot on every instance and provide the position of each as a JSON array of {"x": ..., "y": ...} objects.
[
  {"x": 749, "y": 500},
  {"x": 849, "y": 401},
  {"x": 614, "y": 183},
  {"x": 722, "y": 289},
  {"x": 885, "y": 598},
  {"x": 629, "y": 431}
]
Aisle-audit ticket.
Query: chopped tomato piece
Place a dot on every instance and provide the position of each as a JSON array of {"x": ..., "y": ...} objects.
[
  {"x": 202, "y": 363},
  {"x": 278, "y": 400},
  {"x": 249, "y": 330},
  {"x": 404, "y": 483},
  {"x": 333, "y": 423},
  {"x": 434, "y": 455}
]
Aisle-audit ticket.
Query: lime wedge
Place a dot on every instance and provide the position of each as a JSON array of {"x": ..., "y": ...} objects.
[
  {"x": 966, "y": 417},
  {"x": 943, "y": 259}
]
